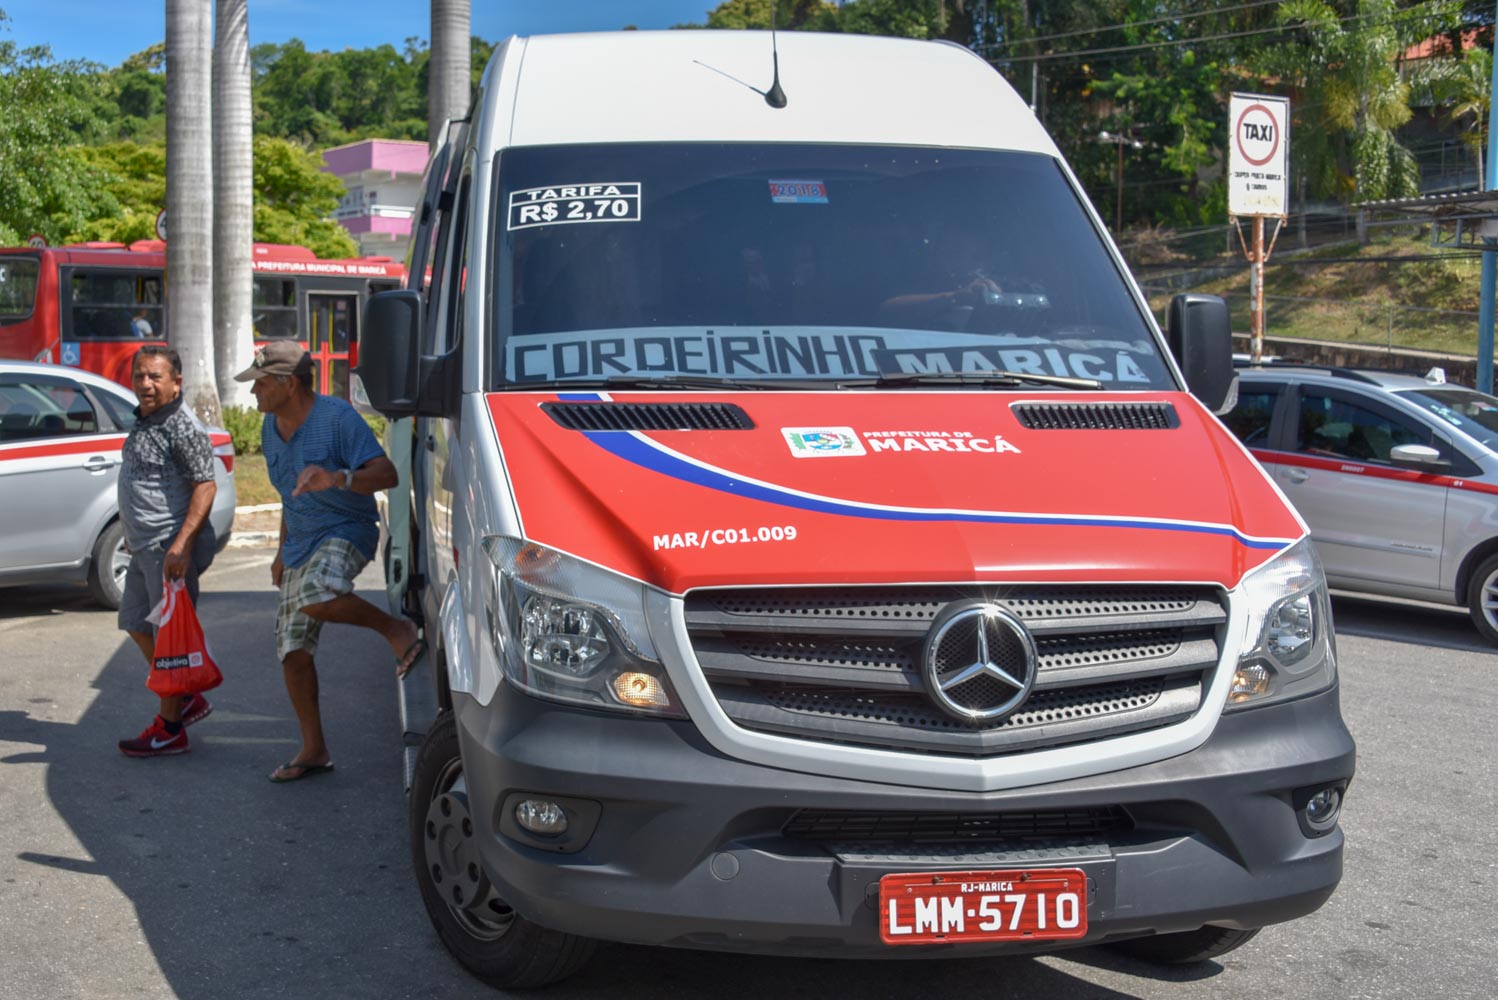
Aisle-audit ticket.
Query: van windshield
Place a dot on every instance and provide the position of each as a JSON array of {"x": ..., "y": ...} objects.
[{"x": 784, "y": 264}]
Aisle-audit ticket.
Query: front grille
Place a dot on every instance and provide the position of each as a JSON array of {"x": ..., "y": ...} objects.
[
  {"x": 844, "y": 665},
  {"x": 847, "y": 827}
]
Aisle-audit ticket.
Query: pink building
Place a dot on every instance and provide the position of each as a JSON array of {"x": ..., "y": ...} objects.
[{"x": 383, "y": 177}]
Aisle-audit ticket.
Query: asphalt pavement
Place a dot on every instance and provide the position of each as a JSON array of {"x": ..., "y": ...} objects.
[{"x": 195, "y": 877}]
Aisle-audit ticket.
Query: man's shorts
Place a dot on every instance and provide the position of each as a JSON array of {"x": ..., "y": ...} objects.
[
  {"x": 328, "y": 573},
  {"x": 143, "y": 582}
]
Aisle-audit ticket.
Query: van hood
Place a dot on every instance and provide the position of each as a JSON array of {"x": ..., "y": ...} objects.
[{"x": 883, "y": 487}]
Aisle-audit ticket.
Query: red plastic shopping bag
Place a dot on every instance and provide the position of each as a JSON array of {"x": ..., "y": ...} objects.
[{"x": 182, "y": 663}]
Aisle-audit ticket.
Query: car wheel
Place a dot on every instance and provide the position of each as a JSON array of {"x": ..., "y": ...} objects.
[
  {"x": 483, "y": 933},
  {"x": 1185, "y": 947},
  {"x": 1482, "y": 599},
  {"x": 106, "y": 570}
]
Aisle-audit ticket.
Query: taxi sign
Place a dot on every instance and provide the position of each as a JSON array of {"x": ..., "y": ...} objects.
[{"x": 1258, "y": 154}]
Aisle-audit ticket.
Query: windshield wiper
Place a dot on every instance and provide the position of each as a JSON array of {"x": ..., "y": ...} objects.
[{"x": 996, "y": 378}]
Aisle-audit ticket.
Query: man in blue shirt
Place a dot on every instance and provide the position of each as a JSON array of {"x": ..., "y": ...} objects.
[{"x": 326, "y": 464}]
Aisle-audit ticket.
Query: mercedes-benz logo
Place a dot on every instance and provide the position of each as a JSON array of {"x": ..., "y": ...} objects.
[{"x": 979, "y": 661}]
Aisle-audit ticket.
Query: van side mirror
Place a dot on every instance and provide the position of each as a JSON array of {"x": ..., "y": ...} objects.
[
  {"x": 389, "y": 358},
  {"x": 1200, "y": 335}
]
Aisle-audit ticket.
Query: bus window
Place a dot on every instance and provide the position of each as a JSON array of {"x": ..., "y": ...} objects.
[
  {"x": 17, "y": 287},
  {"x": 274, "y": 309},
  {"x": 115, "y": 304}
]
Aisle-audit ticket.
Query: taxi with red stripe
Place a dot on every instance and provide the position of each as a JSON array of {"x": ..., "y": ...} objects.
[
  {"x": 61, "y": 431},
  {"x": 1396, "y": 475}
]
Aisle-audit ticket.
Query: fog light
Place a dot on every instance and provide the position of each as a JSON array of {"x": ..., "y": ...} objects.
[
  {"x": 1323, "y": 808},
  {"x": 541, "y": 816},
  {"x": 640, "y": 690},
  {"x": 1249, "y": 682}
]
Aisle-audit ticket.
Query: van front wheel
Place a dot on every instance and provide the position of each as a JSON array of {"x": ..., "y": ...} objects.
[
  {"x": 1482, "y": 599},
  {"x": 484, "y": 934}
]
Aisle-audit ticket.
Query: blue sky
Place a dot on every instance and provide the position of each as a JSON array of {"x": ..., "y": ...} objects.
[{"x": 106, "y": 31}]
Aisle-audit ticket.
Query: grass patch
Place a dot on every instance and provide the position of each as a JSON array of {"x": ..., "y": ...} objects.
[
  {"x": 252, "y": 482},
  {"x": 1421, "y": 304}
]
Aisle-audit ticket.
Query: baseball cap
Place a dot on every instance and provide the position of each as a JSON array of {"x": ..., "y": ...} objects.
[{"x": 279, "y": 357}]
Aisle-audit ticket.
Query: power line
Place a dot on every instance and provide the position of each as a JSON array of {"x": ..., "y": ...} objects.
[
  {"x": 1171, "y": 18},
  {"x": 1143, "y": 46}
]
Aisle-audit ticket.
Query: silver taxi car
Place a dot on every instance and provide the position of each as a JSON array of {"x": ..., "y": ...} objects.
[
  {"x": 1396, "y": 475},
  {"x": 61, "y": 430}
]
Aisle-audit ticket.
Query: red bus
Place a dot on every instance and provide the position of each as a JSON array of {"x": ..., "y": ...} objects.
[{"x": 91, "y": 305}]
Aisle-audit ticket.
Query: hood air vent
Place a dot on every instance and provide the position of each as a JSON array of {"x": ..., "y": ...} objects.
[
  {"x": 605, "y": 416},
  {"x": 1097, "y": 416}
]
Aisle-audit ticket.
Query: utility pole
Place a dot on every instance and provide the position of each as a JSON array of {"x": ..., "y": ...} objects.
[
  {"x": 1490, "y": 248},
  {"x": 1119, "y": 141}
]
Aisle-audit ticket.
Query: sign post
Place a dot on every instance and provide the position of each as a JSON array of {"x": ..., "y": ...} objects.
[{"x": 1258, "y": 175}]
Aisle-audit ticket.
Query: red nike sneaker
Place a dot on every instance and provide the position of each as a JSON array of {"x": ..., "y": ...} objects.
[
  {"x": 156, "y": 741},
  {"x": 195, "y": 709}
]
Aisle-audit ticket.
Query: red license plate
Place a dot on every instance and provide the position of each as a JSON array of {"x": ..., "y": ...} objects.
[{"x": 1034, "y": 904}]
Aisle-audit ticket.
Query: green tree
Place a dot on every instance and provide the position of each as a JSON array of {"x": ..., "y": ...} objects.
[
  {"x": 1464, "y": 87},
  {"x": 294, "y": 197},
  {"x": 1350, "y": 96},
  {"x": 46, "y": 186}
]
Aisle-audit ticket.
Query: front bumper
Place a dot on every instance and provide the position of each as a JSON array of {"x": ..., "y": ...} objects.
[{"x": 686, "y": 846}]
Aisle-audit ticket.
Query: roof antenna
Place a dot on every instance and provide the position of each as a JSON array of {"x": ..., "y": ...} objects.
[{"x": 775, "y": 97}]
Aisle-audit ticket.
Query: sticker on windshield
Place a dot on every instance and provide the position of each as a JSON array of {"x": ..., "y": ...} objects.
[
  {"x": 564, "y": 204},
  {"x": 798, "y": 192},
  {"x": 822, "y": 442}
]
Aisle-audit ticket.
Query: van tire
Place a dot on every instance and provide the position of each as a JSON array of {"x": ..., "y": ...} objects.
[
  {"x": 1186, "y": 947},
  {"x": 501, "y": 947},
  {"x": 107, "y": 586},
  {"x": 1484, "y": 585}
]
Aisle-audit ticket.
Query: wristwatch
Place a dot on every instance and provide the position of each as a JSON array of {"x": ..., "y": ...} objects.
[{"x": 348, "y": 479}]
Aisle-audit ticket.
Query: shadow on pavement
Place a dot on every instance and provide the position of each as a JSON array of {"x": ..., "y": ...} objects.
[{"x": 1410, "y": 622}]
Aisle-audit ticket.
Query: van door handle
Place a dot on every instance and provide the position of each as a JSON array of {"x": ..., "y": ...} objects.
[
  {"x": 98, "y": 463},
  {"x": 1297, "y": 475},
  {"x": 431, "y": 443}
]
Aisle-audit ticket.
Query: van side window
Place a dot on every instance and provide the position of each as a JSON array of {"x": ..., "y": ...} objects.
[
  {"x": 1343, "y": 429},
  {"x": 452, "y": 330},
  {"x": 1249, "y": 420}
]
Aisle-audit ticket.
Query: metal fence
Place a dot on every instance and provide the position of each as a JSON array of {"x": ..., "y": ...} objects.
[{"x": 1378, "y": 324}]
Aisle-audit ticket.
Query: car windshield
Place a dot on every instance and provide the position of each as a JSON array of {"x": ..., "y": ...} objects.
[
  {"x": 1469, "y": 411},
  {"x": 780, "y": 264},
  {"x": 17, "y": 286}
]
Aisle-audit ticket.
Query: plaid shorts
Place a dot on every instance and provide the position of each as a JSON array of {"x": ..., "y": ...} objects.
[{"x": 328, "y": 573}]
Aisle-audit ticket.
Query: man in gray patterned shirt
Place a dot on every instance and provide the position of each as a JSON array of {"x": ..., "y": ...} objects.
[{"x": 166, "y": 491}]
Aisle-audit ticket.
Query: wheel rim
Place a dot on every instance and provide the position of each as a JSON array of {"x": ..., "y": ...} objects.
[
  {"x": 1490, "y": 601},
  {"x": 119, "y": 563},
  {"x": 454, "y": 868}
]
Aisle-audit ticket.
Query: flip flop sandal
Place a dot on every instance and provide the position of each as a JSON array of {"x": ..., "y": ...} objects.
[
  {"x": 410, "y": 658},
  {"x": 281, "y": 776}
]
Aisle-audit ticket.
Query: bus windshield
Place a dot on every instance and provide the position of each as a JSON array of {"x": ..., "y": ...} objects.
[
  {"x": 786, "y": 263},
  {"x": 18, "y": 286}
]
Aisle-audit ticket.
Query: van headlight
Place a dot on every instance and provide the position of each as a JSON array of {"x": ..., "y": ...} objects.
[
  {"x": 569, "y": 631},
  {"x": 1288, "y": 650}
]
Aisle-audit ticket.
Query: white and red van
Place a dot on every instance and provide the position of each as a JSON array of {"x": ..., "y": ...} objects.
[{"x": 822, "y": 549}]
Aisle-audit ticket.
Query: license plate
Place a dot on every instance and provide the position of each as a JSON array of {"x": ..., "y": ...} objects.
[{"x": 1035, "y": 904}]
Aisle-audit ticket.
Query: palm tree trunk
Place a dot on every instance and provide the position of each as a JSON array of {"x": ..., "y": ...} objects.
[
  {"x": 233, "y": 200},
  {"x": 189, "y": 201},
  {"x": 449, "y": 74}
]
